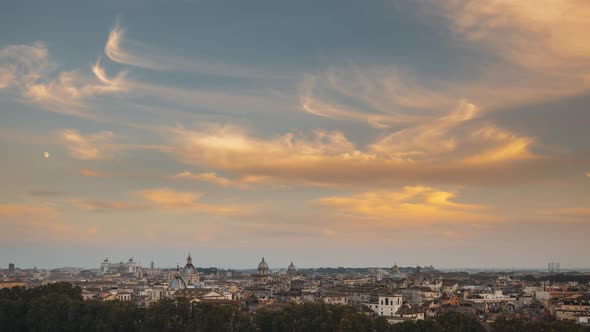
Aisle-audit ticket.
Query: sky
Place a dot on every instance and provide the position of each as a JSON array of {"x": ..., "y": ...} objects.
[{"x": 327, "y": 133}]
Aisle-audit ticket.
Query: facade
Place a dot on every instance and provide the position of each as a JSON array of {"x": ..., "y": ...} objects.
[
  {"x": 573, "y": 307},
  {"x": 387, "y": 304},
  {"x": 128, "y": 267}
]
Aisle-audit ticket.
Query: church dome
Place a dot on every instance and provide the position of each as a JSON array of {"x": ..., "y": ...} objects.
[
  {"x": 263, "y": 267},
  {"x": 176, "y": 283},
  {"x": 189, "y": 269},
  {"x": 291, "y": 270}
]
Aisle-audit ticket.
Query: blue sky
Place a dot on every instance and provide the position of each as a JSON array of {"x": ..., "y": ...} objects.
[{"x": 334, "y": 133}]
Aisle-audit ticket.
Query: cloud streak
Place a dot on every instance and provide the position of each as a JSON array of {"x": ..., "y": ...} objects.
[
  {"x": 167, "y": 200},
  {"x": 171, "y": 200},
  {"x": 130, "y": 52},
  {"x": 453, "y": 148},
  {"x": 416, "y": 204}
]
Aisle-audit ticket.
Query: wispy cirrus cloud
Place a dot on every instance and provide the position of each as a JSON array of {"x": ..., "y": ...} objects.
[
  {"x": 385, "y": 96},
  {"x": 29, "y": 71},
  {"x": 134, "y": 53},
  {"x": 540, "y": 47},
  {"x": 535, "y": 52}
]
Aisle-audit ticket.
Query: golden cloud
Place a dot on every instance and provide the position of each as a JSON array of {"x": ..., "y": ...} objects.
[
  {"x": 93, "y": 174},
  {"x": 538, "y": 51},
  {"x": 36, "y": 223},
  {"x": 541, "y": 44},
  {"x": 451, "y": 148},
  {"x": 27, "y": 211},
  {"x": 415, "y": 204},
  {"x": 172, "y": 200},
  {"x": 164, "y": 199},
  {"x": 210, "y": 177},
  {"x": 88, "y": 147}
]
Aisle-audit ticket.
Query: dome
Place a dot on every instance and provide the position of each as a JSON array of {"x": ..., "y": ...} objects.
[
  {"x": 189, "y": 269},
  {"x": 291, "y": 269},
  {"x": 263, "y": 267},
  {"x": 176, "y": 283}
]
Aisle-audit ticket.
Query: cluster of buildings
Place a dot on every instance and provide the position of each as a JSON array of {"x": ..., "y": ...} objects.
[{"x": 397, "y": 293}]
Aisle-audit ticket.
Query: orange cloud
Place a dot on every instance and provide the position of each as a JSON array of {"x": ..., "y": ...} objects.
[
  {"x": 451, "y": 148},
  {"x": 100, "y": 205},
  {"x": 172, "y": 200},
  {"x": 204, "y": 177},
  {"x": 88, "y": 147},
  {"x": 542, "y": 47},
  {"x": 538, "y": 51},
  {"x": 519, "y": 29},
  {"x": 27, "y": 211},
  {"x": 93, "y": 174},
  {"x": 37, "y": 223},
  {"x": 212, "y": 177},
  {"x": 415, "y": 204}
]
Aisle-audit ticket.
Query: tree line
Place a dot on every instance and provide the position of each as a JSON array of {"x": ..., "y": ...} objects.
[{"x": 59, "y": 307}]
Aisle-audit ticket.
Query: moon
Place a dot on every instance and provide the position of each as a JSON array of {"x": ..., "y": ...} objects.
[{"x": 46, "y": 154}]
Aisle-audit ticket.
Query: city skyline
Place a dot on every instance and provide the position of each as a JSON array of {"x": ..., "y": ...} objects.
[{"x": 339, "y": 133}]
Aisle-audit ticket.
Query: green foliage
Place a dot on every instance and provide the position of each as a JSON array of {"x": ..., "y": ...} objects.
[
  {"x": 314, "y": 317},
  {"x": 448, "y": 322},
  {"x": 519, "y": 325}
]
